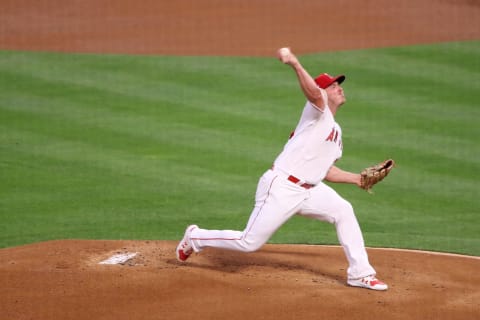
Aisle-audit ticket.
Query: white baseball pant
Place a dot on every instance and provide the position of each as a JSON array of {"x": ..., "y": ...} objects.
[{"x": 277, "y": 199}]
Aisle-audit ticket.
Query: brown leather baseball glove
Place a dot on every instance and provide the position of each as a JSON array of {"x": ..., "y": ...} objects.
[{"x": 374, "y": 174}]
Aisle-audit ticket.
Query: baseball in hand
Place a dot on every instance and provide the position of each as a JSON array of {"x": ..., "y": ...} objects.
[{"x": 283, "y": 54}]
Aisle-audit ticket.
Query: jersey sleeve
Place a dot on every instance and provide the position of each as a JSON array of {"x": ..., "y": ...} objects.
[{"x": 311, "y": 112}]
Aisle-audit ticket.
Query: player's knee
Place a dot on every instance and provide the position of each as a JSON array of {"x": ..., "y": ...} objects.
[
  {"x": 347, "y": 207},
  {"x": 252, "y": 247},
  {"x": 345, "y": 211},
  {"x": 251, "y": 244}
]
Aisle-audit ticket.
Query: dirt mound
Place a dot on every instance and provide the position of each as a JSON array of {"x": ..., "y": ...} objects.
[{"x": 65, "y": 280}]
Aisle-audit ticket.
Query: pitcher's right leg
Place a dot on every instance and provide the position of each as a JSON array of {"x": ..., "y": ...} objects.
[{"x": 276, "y": 200}]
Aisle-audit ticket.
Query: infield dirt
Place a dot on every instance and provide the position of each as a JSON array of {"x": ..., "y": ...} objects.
[{"x": 63, "y": 280}]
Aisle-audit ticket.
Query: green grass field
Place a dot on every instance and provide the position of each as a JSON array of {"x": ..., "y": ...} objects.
[{"x": 137, "y": 147}]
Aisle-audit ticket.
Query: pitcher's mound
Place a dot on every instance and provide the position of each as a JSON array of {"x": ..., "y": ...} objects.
[{"x": 66, "y": 280}]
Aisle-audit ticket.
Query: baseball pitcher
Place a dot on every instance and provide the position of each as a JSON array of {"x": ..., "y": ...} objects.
[{"x": 294, "y": 184}]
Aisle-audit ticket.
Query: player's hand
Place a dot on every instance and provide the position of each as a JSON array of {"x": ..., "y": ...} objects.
[{"x": 286, "y": 56}]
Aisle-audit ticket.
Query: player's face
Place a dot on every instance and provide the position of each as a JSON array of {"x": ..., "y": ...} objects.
[{"x": 336, "y": 94}]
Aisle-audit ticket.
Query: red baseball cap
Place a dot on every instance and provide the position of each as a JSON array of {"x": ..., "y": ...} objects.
[{"x": 325, "y": 80}]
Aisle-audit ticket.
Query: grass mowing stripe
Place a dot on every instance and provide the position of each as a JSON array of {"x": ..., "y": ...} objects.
[
  {"x": 190, "y": 85},
  {"x": 96, "y": 104},
  {"x": 112, "y": 146},
  {"x": 122, "y": 130},
  {"x": 119, "y": 163}
]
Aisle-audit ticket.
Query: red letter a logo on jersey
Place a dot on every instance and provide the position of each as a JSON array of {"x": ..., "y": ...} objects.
[{"x": 332, "y": 136}]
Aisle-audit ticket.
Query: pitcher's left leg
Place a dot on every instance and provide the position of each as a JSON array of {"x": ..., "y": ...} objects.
[{"x": 326, "y": 204}]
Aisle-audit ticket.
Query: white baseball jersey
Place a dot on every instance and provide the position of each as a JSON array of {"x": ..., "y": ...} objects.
[{"x": 313, "y": 147}]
